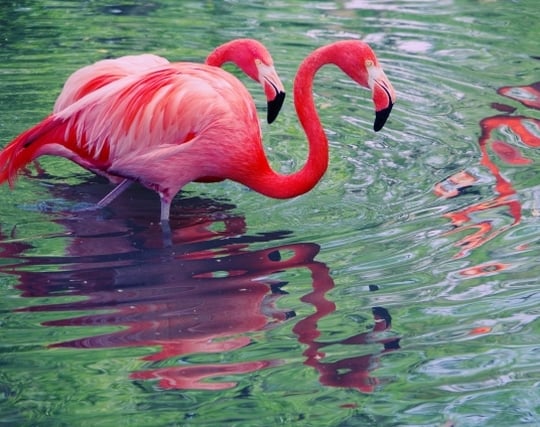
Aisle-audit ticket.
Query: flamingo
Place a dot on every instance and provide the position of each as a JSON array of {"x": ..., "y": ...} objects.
[
  {"x": 189, "y": 122},
  {"x": 249, "y": 55}
]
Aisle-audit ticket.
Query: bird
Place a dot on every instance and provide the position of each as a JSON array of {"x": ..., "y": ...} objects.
[
  {"x": 190, "y": 122},
  {"x": 250, "y": 55}
]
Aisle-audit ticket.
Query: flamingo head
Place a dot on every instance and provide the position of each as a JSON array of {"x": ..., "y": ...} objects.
[
  {"x": 383, "y": 93},
  {"x": 359, "y": 62},
  {"x": 253, "y": 59},
  {"x": 273, "y": 88}
]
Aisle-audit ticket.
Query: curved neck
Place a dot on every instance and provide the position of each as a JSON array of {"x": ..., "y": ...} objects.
[
  {"x": 282, "y": 186},
  {"x": 217, "y": 57},
  {"x": 236, "y": 51}
]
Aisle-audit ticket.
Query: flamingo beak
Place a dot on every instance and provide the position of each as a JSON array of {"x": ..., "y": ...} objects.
[
  {"x": 384, "y": 96},
  {"x": 273, "y": 88},
  {"x": 274, "y": 106}
]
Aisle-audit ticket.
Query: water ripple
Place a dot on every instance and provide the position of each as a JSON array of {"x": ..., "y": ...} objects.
[{"x": 468, "y": 365}]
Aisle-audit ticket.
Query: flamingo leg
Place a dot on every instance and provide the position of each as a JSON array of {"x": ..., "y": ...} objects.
[
  {"x": 116, "y": 191},
  {"x": 166, "y": 233},
  {"x": 165, "y": 225},
  {"x": 165, "y": 209}
]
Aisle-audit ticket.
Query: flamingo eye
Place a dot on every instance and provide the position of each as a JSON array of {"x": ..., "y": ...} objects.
[
  {"x": 369, "y": 63},
  {"x": 258, "y": 62}
]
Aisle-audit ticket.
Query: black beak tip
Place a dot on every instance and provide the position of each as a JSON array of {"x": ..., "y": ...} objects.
[
  {"x": 274, "y": 107},
  {"x": 380, "y": 118}
]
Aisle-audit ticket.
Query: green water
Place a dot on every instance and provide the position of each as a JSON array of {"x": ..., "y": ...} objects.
[{"x": 277, "y": 312}]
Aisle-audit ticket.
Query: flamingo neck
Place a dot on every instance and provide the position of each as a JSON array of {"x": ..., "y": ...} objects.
[
  {"x": 236, "y": 51},
  {"x": 274, "y": 184},
  {"x": 217, "y": 58}
]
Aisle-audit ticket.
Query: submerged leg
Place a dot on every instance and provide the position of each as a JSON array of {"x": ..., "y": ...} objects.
[
  {"x": 166, "y": 233},
  {"x": 116, "y": 191}
]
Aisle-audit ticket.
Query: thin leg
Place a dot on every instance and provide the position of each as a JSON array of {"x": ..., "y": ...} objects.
[
  {"x": 165, "y": 226},
  {"x": 165, "y": 209},
  {"x": 116, "y": 191},
  {"x": 166, "y": 233}
]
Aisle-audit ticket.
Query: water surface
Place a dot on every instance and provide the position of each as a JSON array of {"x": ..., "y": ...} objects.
[{"x": 400, "y": 291}]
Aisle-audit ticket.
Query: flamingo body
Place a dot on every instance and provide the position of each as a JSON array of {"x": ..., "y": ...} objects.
[{"x": 185, "y": 122}]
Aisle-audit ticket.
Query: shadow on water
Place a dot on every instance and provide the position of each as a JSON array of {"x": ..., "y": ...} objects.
[
  {"x": 204, "y": 294},
  {"x": 500, "y": 137}
]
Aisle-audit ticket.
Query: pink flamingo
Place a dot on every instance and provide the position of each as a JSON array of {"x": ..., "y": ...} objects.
[
  {"x": 192, "y": 122},
  {"x": 249, "y": 55}
]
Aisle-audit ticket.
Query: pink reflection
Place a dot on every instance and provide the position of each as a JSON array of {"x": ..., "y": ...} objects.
[
  {"x": 528, "y": 95},
  {"x": 351, "y": 372},
  {"x": 209, "y": 292},
  {"x": 191, "y": 377},
  {"x": 474, "y": 219},
  {"x": 509, "y": 154},
  {"x": 485, "y": 269}
]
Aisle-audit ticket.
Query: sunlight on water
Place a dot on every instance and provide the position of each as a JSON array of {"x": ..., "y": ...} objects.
[{"x": 400, "y": 291}]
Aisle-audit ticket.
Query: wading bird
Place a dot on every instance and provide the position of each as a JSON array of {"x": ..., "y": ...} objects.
[
  {"x": 187, "y": 122},
  {"x": 249, "y": 55}
]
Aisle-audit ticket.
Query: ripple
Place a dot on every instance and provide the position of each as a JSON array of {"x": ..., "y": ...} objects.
[
  {"x": 465, "y": 365},
  {"x": 490, "y": 383},
  {"x": 454, "y": 274}
]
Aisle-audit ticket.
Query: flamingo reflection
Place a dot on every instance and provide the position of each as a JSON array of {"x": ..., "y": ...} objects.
[
  {"x": 350, "y": 372},
  {"x": 499, "y": 136},
  {"x": 209, "y": 292}
]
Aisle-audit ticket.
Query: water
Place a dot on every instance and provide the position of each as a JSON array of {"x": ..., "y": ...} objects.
[{"x": 400, "y": 291}]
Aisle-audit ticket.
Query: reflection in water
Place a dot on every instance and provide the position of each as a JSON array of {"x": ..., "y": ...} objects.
[
  {"x": 499, "y": 134},
  {"x": 528, "y": 95},
  {"x": 206, "y": 293},
  {"x": 351, "y": 372}
]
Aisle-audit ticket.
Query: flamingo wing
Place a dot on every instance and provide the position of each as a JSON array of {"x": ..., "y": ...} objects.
[{"x": 101, "y": 73}]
